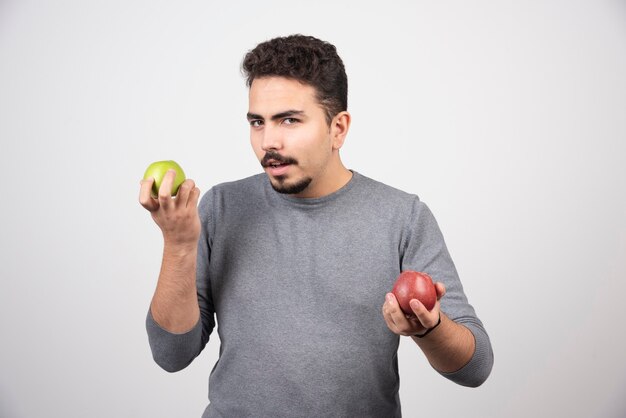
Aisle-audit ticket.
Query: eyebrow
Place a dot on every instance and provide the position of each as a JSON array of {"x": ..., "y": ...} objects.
[{"x": 277, "y": 116}]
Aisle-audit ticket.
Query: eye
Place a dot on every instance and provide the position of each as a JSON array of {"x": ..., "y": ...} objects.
[
  {"x": 255, "y": 123},
  {"x": 290, "y": 121}
]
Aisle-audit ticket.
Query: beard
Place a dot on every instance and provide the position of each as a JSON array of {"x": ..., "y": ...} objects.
[
  {"x": 281, "y": 186},
  {"x": 279, "y": 183}
]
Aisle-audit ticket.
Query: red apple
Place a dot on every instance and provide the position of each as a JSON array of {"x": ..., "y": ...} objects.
[{"x": 414, "y": 285}]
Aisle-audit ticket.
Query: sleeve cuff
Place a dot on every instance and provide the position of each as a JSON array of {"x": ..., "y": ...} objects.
[
  {"x": 476, "y": 371},
  {"x": 171, "y": 351}
]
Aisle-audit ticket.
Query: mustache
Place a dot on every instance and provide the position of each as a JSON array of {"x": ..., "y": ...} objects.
[{"x": 276, "y": 157}]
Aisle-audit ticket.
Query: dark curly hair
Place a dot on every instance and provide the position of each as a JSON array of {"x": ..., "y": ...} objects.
[{"x": 306, "y": 59}]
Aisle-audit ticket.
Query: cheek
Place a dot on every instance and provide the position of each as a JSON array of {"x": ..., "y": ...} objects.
[
  {"x": 312, "y": 140},
  {"x": 323, "y": 144}
]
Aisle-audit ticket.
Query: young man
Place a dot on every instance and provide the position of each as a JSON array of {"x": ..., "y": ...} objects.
[{"x": 296, "y": 264}]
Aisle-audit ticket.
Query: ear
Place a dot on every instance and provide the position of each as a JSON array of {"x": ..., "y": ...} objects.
[{"x": 339, "y": 127}]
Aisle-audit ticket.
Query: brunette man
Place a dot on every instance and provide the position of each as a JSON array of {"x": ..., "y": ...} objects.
[{"x": 296, "y": 263}]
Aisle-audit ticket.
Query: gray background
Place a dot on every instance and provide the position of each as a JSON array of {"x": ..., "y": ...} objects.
[{"x": 507, "y": 118}]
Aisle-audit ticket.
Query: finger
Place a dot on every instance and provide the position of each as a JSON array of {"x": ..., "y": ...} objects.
[
  {"x": 194, "y": 196},
  {"x": 441, "y": 290},
  {"x": 183, "y": 193},
  {"x": 396, "y": 313},
  {"x": 388, "y": 319},
  {"x": 428, "y": 319},
  {"x": 418, "y": 308},
  {"x": 145, "y": 196},
  {"x": 165, "y": 191}
]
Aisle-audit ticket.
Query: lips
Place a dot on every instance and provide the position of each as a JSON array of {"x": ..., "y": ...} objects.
[
  {"x": 278, "y": 170},
  {"x": 274, "y": 164}
]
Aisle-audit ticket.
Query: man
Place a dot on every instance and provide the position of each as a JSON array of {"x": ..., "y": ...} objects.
[{"x": 296, "y": 264}]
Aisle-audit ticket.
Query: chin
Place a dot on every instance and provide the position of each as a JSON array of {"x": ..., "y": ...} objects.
[{"x": 281, "y": 185}]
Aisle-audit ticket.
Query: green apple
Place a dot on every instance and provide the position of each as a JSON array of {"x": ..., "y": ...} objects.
[{"x": 158, "y": 170}]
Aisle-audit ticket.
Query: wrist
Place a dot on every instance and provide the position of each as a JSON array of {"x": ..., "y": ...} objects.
[
  {"x": 180, "y": 249},
  {"x": 429, "y": 330}
]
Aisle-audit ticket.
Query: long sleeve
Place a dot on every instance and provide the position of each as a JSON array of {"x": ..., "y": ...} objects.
[
  {"x": 424, "y": 249},
  {"x": 174, "y": 352}
]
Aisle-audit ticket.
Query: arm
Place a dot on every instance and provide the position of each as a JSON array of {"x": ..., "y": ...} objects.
[
  {"x": 459, "y": 348},
  {"x": 174, "y": 308},
  {"x": 174, "y": 304}
]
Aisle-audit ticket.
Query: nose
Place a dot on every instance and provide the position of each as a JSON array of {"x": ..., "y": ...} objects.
[{"x": 272, "y": 139}]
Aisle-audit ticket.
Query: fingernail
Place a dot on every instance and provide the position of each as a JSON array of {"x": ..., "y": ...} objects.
[{"x": 389, "y": 297}]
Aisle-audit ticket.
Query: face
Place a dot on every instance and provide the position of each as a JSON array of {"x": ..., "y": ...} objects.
[{"x": 291, "y": 138}]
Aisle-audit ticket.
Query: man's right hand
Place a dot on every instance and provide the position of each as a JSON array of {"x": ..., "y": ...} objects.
[
  {"x": 174, "y": 305},
  {"x": 177, "y": 217}
]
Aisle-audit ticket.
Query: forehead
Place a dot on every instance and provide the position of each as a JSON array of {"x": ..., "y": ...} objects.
[{"x": 270, "y": 95}]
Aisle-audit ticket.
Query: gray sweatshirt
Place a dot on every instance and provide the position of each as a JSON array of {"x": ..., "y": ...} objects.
[{"x": 297, "y": 286}]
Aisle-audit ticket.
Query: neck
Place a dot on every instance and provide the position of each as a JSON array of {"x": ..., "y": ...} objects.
[{"x": 333, "y": 179}]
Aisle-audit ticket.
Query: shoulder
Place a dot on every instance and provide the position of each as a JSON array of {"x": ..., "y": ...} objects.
[
  {"x": 385, "y": 195},
  {"x": 386, "y": 205},
  {"x": 238, "y": 192},
  {"x": 245, "y": 186}
]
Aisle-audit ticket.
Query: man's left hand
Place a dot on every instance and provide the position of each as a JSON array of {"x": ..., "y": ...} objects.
[{"x": 418, "y": 323}]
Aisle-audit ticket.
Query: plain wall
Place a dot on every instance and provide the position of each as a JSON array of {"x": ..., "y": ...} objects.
[{"x": 507, "y": 118}]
